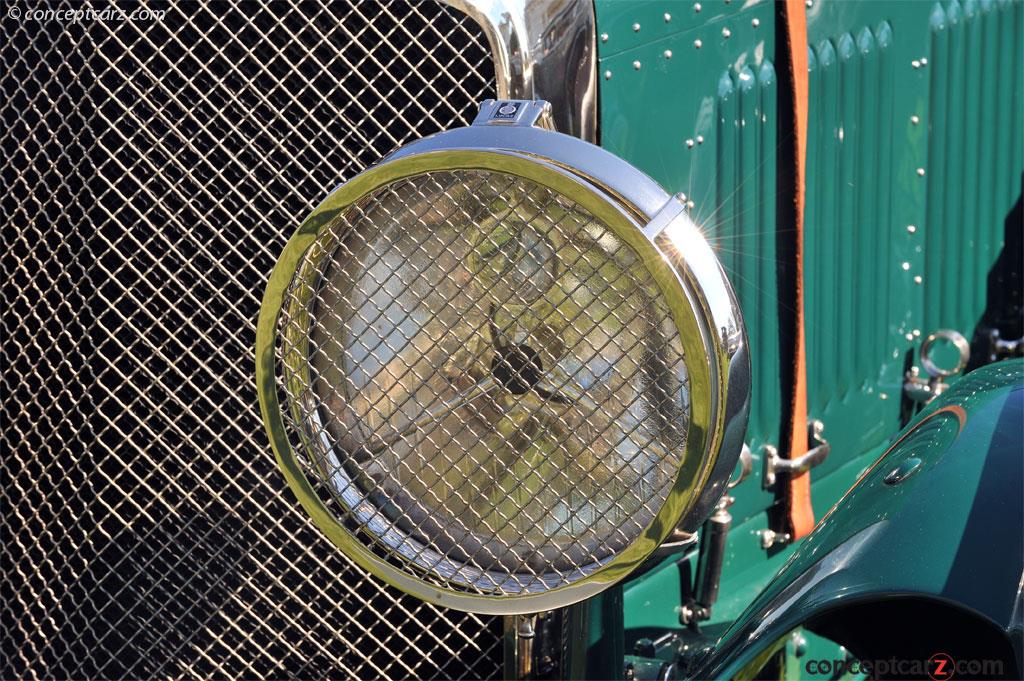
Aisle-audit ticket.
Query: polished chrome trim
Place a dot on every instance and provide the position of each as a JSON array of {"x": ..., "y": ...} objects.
[
  {"x": 816, "y": 455},
  {"x": 923, "y": 390},
  {"x": 644, "y": 196},
  {"x": 544, "y": 49},
  {"x": 684, "y": 266},
  {"x": 746, "y": 467},
  {"x": 958, "y": 341},
  {"x": 525, "y": 113}
]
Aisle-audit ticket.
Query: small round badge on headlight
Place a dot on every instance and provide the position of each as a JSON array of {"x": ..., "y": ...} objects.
[{"x": 501, "y": 367}]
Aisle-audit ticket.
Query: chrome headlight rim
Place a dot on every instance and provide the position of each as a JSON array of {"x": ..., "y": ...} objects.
[{"x": 706, "y": 350}]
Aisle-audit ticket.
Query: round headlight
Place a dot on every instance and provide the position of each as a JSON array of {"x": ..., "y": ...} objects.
[{"x": 501, "y": 367}]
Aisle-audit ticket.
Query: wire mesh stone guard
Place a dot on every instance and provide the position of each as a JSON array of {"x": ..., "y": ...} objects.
[{"x": 151, "y": 173}]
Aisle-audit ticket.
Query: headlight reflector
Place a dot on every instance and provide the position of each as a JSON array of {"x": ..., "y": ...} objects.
[{"x": 498, "y": 392}]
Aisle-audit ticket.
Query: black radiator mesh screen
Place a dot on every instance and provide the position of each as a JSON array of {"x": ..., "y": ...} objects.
[{"x": 152, "y": 170}]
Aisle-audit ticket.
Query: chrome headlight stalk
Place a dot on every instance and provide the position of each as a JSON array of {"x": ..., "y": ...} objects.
[{"x": 500, "y": 368}]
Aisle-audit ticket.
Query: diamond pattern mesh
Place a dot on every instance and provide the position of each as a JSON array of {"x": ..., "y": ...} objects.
[
  {"x": 151, "y": 172},
  {"x": 487, "y": 379}
]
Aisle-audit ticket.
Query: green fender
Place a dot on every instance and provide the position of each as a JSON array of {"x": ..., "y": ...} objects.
[{"x": 924, "y": 554}]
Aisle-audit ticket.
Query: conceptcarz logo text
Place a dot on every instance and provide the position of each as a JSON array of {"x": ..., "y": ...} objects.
[{"x": 940, "y": 667}]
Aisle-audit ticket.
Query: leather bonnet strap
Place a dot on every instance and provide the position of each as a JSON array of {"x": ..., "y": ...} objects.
[{"x": 798, "y": 495}]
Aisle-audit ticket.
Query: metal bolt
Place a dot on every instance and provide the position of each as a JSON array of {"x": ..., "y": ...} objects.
[
  {"x": 607, "y": 75},
  {"x": 700, "y": 139},
  {"x": 636, "y": 28},
  {"x": 911, "y": 228},
  {"x": 689, "y": 144},
  {"x": 770, "y": 538},
  {"x": 668, "y": 54},
  {"x": 917, "y": 333},
  {"x": 636, "y": 65},
  {"x": 682, "y": 197},
  {"x": 920, "y": 172},
  {"x": 915, "y": 120},
  {"x": 916, "y": 64},
  {"x": 690, "y": 204},
  {"x": 907, "y": 468},
  {"x": 924, "y": 61},
  {"x": 905, "y": 266},
  {"x": 697, "y": 43},
  {"x": 726, "y": 33},
  {"x": 668, "y": 17},
  {"x": 910, "y": 336},
  {"x": 604, "y": 37},
  {"x": 809, "y": 3},
  {"x": 918, "y": 279},
  {"x": 755, "y": 23},
  {"x": 696, "y": 7},
  {"x": 799, "y": 644}
]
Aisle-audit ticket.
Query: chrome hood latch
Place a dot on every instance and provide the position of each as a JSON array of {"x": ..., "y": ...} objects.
[
  {"x": 816, "y": 454},
  {"x": 923, "y": 390}
]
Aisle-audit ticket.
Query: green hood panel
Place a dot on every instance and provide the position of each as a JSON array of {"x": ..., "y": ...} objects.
[{"x": 937, "y": 519}]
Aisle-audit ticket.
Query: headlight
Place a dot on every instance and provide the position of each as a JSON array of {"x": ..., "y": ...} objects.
[{"x": 502, "y": 366}]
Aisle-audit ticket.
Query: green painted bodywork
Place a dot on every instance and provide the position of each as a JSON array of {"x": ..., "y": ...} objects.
[
  {"x": 891, "y": 200},
  {"x": 950, "y": 532},
  {"x": 915, "y": 157},
  {"x": 722, "y": 98},
  {"x": 865, "y": 311}
]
